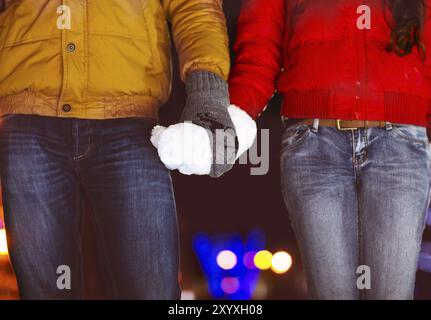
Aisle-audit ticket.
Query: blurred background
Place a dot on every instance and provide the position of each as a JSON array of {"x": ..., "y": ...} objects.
[{"x": 236, "y": 245}]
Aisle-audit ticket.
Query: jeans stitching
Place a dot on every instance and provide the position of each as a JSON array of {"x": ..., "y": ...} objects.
[
  {"x": 360, "y": 242},
  {"x": 81, "y": 259},
  {"x": 403, "y": 136},
  {"x": 360, "y": 253},
  {"x": 298, "y": 141},
  {"x": 102, "y": 242},
  {"x": 90, "y": 144}
]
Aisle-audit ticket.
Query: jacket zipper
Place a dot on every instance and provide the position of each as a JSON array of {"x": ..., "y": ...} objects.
[{"x": 359, "y": 38}]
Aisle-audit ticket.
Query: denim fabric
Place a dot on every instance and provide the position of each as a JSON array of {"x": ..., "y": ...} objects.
[
  {"x": 357, "y": 198},
  {"x": 47, "y": 164}
]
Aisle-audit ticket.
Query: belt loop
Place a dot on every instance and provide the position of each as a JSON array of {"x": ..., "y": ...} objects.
[
  {"x": 389, "y": 126},
  {"x": 315, "y": 127},
  {"x": 283, "y": 121}
]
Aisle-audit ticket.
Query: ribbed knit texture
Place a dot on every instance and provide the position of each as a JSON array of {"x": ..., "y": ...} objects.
[{"x": 207, "y": 103}]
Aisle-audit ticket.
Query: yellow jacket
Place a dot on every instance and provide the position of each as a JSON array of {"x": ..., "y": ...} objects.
[{"x": 103, "y": 59}]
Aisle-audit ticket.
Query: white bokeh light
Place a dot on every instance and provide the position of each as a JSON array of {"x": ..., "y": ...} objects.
[
  {"x": 281, "y": 262},
  {"x": 227, "y": 260}
]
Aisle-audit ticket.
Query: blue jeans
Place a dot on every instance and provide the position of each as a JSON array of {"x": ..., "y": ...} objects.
[
  {"x": 357, "y": 198},
  {"x": 47, "y": 164}
]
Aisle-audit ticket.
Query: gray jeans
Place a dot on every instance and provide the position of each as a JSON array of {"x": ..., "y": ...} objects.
[{"x": 357, "y": 198}]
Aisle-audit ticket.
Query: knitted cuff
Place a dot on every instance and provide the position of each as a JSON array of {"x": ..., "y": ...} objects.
[{"x": 207, "y": 106}]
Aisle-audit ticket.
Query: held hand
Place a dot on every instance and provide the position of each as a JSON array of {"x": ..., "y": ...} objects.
[
  {"x": 245, "y": 127},
  {"x": 184, "y": 147},
  {"x": 187, "y": 147}
]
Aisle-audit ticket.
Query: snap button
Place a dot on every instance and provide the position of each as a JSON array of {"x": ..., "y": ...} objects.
[
  {"x": 67, "y": 108},
  {"x": 71, "y": 47}
]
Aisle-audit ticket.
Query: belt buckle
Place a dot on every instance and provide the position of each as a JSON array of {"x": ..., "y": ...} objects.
[{"x": 341, "y": 128}]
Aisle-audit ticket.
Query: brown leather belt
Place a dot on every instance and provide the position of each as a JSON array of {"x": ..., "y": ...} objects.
[{"x": 345, "y": 125}]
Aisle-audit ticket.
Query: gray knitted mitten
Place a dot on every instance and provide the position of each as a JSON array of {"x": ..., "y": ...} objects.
[{"x": 207, "y": 106}]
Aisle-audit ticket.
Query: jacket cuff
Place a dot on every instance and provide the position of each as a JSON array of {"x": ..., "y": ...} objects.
[
  {"x": 239, "y": 95},
  {"x": 205, "y": 81}
]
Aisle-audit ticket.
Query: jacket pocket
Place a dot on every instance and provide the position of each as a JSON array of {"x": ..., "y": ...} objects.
[
  {"x": 316, "y": 21},
  {"x": 2, "y": 27},
  {"x": 158, "y": 36},
  {"x": 29, "y": 21},
  {"x": 1, "y": 37}
]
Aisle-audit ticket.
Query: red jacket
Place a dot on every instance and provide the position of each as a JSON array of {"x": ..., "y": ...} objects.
[{"x": 313, "y": 52}]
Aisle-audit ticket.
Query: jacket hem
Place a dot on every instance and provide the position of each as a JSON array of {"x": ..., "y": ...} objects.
[
  {"x": 97, "y": 109},
  {"x": 394, "y": 107}
]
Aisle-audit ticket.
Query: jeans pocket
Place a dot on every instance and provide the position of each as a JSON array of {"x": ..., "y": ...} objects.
[
  {"x": 294, "y": 135},
  {"x": 411, "y": 133}
]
